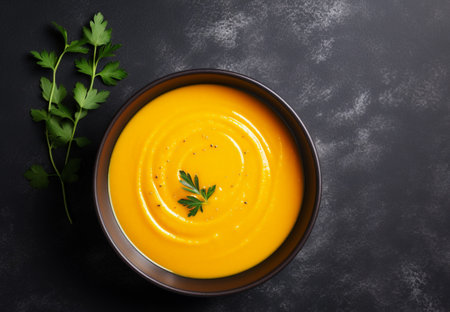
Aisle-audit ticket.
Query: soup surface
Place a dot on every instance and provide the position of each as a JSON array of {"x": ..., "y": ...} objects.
[{"x": 227, "y": 138}]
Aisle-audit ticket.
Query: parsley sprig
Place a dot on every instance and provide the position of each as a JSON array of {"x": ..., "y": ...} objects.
[
  {"x": 61, "y": 121},
  {"x": 193, "y": 203}
]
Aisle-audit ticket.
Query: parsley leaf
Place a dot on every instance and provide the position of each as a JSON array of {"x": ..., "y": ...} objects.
[
  {"x": 69, "y": 173},
  {"x": 84, "y": 66},
  {"x": 89, "y": 99},
  {"x": 77, "y": 46},
  {"x": 93, "y": 98},
  {"x": 186, "y": 180},
  {"x": 108, "y": 50},
  {"x": 59, "y": 93},
  {"x": 37, "y": 176},
  {"x": 111, "y": 73},
  {"x": 97, "y": 35},
  {"x": 210, "y": 191},
  {"x": 193, "y": 203},
  {"x": 62, "y": 31},
  {"x": 80, "y": 115},
  {"x": 39, "y": 114},
  {"x": 59, "y": 133},
  {"x": 46, "y": 87},
  {"x": 45, "y": 59},
  {"x": 61, "y": 111},
  {"x": 79, "y": 93},
  {"x": 82, "y": 141}
]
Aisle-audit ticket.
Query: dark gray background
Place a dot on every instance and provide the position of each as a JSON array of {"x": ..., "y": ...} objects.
[{"x": 370, "y": 79}]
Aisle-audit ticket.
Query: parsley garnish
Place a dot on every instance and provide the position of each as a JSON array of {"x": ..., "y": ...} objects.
[
  {"x": 192, "y": 202},
  {"x": 61, "y": 121}
]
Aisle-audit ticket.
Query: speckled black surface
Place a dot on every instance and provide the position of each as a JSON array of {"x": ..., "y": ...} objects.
[{"x": 370, "y": 79}]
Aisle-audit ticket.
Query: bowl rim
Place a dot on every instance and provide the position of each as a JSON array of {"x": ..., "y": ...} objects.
[{"x": 313, "y": 151}]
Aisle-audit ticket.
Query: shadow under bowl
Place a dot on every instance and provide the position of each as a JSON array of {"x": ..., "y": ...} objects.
[{"x": 230, "y": 284}]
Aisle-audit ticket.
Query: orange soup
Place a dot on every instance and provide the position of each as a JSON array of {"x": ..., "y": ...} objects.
[{"x": 226, "y": 138}]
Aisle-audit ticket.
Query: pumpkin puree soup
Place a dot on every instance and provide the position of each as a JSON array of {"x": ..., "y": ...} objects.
[{"x": 227, "y": 138}]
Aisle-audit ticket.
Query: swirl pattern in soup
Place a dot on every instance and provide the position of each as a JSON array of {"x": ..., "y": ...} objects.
[{"x": 229, "y": 139}]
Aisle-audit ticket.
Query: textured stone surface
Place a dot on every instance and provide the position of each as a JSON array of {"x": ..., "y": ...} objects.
[{"x": 370, "y": 80}]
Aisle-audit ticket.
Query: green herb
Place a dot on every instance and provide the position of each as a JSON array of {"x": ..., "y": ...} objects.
[
  {"x": 61, "y": 121},
  {"x": 192, "y": 202}
]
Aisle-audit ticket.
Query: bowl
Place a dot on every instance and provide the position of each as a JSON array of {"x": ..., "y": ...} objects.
[{"x": 224, "y": 285}]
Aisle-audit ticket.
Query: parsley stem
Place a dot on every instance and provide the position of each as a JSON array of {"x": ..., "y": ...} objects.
[
  {"x": 66, "y": 207},
  {"x": 75, "y": 123},
  {"x": 77, "y": 119},
  {"x": 54, "y": 80},
  {"x": 94, "y": 67},
  {"x": 49, "y": 146},
  {"x": 50, "y": 153}
]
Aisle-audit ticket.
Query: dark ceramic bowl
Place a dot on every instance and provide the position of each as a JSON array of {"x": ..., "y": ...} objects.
[{"x": 225, "y": 285}]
